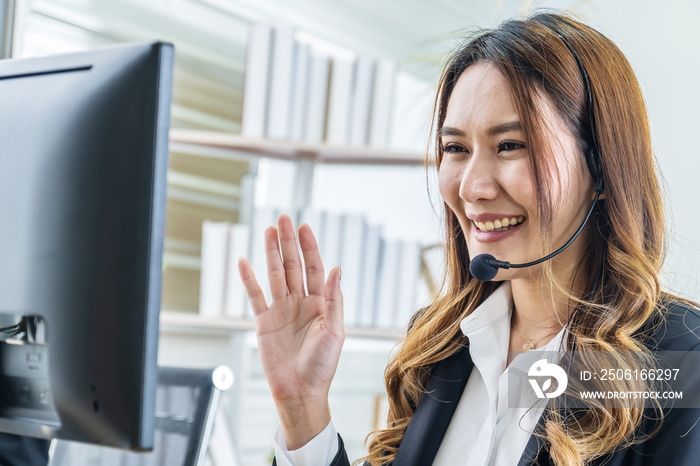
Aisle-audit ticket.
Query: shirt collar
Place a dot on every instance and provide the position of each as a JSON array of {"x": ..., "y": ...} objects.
[
  {"x": 497, "y": 306},
  {"x": 488, "y": 328},
  {"x": 488, "y": 331}
]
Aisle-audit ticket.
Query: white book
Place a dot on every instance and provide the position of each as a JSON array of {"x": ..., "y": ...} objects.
[
  {"x": 314, "y": 130},
  {"x": 361, "y": 102},
  {"x": 315, "y": 219},
  {"x": 262, "y": 218},
  {"x": 339, "y": 98},
  {"x": 411, "y": 113},
  {"x": 235, "y": 297},
  {"x": 255, "y": 81},
  {"x": 409, "y": 276},
  {"x": 388, "y": 284},
  {"x": 281, "y": 75},
  {"x": 213, "y": 270},
  {"x": 382, "y": 101},
  {"x": 299, "y": 108},
  {"x": 332, "y": 239},
  {"x": 351, "y": 260},
  {"x": 368, "y": 288}
]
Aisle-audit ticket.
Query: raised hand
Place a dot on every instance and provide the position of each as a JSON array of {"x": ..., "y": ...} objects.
[{"x": 300, "y": 334}]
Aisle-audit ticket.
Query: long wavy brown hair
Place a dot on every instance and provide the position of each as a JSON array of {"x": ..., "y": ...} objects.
[{"x": 626, "y": 236}]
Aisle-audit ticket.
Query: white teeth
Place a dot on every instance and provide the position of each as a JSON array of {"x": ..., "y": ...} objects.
[{"x": 500, "y": 225}]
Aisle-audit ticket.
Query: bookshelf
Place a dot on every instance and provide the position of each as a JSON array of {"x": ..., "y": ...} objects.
[{"x": 237, "y": 147}]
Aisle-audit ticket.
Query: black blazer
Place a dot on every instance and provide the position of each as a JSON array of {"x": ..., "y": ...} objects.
[{"x": 676, "y": 444}]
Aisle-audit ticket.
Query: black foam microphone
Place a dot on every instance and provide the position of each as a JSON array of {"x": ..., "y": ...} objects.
[{"x": 484, "y": 267}]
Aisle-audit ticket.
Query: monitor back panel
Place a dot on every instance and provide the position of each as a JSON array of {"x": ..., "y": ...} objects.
[{"x": 83, "y": 160}]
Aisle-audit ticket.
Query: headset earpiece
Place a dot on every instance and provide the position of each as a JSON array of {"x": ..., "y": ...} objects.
[
  {"x": 594, "y": 164},
  {"x": 593, "y": 160}
]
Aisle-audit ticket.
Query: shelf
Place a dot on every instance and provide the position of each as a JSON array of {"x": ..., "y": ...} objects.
[
  {"x": 203, "y": 184},
  {"x": 234, "y": 146},
  {"x": 203, "y": 199},
  {"x": 182, "y": 261},
  {"x": 190, "y": 323}
]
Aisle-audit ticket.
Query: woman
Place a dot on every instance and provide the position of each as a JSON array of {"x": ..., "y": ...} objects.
[{"x": 539, "y": 124}]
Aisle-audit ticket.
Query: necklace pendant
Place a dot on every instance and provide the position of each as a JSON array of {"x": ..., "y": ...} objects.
[{"x": 528, "y": 346}]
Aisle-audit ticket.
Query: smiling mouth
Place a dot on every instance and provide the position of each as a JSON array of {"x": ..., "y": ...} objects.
[{"x": 500, "y": 225}]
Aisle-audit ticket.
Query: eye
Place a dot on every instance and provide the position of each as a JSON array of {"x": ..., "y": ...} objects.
[
  {"x": 453, "y": 148},
  {"x": 509, "y": 146}
]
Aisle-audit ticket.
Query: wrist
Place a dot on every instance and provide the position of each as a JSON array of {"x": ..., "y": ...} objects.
[{"x": 302, "y": 420}]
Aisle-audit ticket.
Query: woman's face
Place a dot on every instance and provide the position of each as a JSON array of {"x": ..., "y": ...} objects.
[{"x": 486, "y": 176}]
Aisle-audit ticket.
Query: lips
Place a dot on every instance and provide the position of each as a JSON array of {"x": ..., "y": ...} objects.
[{"x": 494, "y": 227}]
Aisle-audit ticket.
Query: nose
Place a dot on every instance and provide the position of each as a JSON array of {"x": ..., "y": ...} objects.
[{"x": 479, "y": 181}]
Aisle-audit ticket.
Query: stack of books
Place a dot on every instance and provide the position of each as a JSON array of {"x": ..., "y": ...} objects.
[
  {"x": 293, "y": 91},
  {"x": 380, "y": 275}
]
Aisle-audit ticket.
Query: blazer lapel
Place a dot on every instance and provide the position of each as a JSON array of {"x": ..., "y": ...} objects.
[{"x": 435, "y": 409}]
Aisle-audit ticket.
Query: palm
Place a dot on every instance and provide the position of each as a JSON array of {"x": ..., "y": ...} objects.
[{"x": 300, "y": 335}]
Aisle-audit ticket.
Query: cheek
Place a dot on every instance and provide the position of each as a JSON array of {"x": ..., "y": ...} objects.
[
  {"x": 449, "y": 182},
  {"x": 518, "y": 182},
  {"x": 527, "y": 194},
  {"x": 571, "y": 193}
]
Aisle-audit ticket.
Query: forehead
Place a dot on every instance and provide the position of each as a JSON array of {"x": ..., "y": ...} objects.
[{"x": 482, "y": 96}]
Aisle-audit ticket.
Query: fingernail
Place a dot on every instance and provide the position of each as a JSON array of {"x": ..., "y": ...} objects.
[{"x": 340, "y": 273}]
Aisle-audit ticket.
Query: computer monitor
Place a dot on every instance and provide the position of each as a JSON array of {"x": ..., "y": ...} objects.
[{"x": 83, "y": 159}]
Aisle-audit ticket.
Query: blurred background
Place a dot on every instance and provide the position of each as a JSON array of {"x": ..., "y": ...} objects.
[{"x": 225, "y": 172}]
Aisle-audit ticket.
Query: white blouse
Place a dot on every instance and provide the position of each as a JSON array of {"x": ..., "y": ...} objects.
[{"x": 484, "y": 429}]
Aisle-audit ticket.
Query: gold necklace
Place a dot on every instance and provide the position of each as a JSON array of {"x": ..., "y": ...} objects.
[{"x": 529, "y": 346}]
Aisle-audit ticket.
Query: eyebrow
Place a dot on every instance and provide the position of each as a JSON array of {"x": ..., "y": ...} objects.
[{"x": 494, "y": 130}]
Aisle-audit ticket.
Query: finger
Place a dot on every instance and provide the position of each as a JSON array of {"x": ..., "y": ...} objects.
[
  {"x": 275, "y": 269},
  {"x": 290, "y": 255},
  {"x": 256, "y": 297},
  {"x": 312, "y": 261},
  {"x": 334, "y": 300}
]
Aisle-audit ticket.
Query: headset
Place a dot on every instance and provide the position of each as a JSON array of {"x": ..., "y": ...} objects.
[{"x": 484, "y": 267}]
